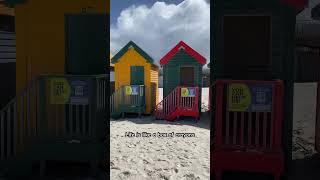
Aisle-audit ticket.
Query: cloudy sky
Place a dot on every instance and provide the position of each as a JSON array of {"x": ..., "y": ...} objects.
[
  {"x": 157, "y": 26},
  {"x": 306, "y": 14}
]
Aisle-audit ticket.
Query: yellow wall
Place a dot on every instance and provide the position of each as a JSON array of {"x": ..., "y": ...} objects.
[
  {"x": 4, "y": 10},
  {"x": 122, "y": 74},
  {"x": 154, "y": 86},
  {"x": 40, "y": 30}
]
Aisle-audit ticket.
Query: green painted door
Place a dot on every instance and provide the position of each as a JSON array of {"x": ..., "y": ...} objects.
[
  {"x": 137, "y": 75},
  {"x": 86, "y": 44}
]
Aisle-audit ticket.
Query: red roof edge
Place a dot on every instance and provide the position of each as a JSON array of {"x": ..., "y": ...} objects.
[
  {"x": 298, "y": 4},
  {"x": 202, "y": 60}
]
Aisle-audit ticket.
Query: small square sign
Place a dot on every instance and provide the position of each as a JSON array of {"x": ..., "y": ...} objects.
[{"x": 78, "y": 90}]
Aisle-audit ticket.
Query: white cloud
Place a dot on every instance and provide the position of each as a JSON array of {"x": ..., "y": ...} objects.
[{"x": 159, "y": 28}]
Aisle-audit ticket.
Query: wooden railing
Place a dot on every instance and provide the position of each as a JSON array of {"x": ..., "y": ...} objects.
[
  {"x": 31, "y": 117},
  {"x": 174, "y": 101},
  {"x": 120, "y": 98},
  {"x": 18, "y": 122},
  {"x": 244, "y": 130}
]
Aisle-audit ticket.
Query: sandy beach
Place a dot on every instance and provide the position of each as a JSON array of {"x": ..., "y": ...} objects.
[
  {"x": 173, "y": 157},
  {"x": 304, "y": 115},
  {"x": 170, "y": 158},
  {"x": 187, "y": 158},
  {"x": 147, "y": 158}
]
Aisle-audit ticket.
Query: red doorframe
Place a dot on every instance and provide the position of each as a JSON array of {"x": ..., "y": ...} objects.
[{"x": 317, "y": 130}]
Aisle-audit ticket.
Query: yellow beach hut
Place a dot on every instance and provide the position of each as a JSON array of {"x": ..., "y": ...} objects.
[
  {"x": 134, "y": 67},
  {"x": 112, "y": 85}
]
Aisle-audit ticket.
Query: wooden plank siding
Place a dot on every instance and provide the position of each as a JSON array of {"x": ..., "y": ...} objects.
[
  {"x": 7, "y": 47},
  {"x": 154, "y": 87},
  {"x": 132, "y": 57},
  {"x": 171, "y": 72},
  {"x": 7, "y": 67},
  {"x": 282, "y": 54}
]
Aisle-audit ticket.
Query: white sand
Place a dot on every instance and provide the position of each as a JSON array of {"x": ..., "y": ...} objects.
[
  {"x": 188, "y": 158},
  {"x": 304, "y": 115},
  {"x": 138, "y": 158}
]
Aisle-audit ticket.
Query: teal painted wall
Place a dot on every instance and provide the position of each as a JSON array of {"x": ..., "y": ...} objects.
[
  {"x": 282, "y": 54},
  {"x": 171, "y": 72}
]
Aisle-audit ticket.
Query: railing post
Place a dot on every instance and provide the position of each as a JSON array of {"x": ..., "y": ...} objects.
[
  {"x": 93, "y": 104},
  {"x": 197, "y": 99},
  {"x": 179, "y": 97},
  {"x": 278, "y": 115},
  {"x": 107, "y": 96},
  {"x": 2, "y": 128},
  {"x": 317, "y": 130},
  {"x": 218, "y": 120},
  {"x": 41, "y": 125}
]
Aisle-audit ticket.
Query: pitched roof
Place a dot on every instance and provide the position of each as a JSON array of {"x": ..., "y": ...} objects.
[
  {"x": 299, "y": 5},
  {"x": 202, "y": 60},
  {"x": 131, "y": 44},
  {"x": 315, "y": 13}
]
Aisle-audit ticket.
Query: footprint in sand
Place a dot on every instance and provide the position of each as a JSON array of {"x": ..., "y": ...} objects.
[
  {"x": 111, "y": 164},
  {"x": 162, "y": 160},
  {"x": 186, "y": 156},
  {"x": 184, "y": 164},
  {"x": 131, "y": 145},
  {"x": 115, "y": 168},
  {"x": 179, "y": 157},
  {"x": 124, "y": 158},
  {"x": 145, "y": 161},
  {"x": 164, "y": 176},
  {"x": 149, "y": 172},
  {"x": 169, "y": 156},
  {"x": 125, "y": 174},
  {"x": 191, "y": 177}
]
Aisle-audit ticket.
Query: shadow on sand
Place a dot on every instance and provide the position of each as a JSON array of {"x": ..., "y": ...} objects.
[
  {"x": 204, "y": 121},
  {"x": 302, "y": 169}
]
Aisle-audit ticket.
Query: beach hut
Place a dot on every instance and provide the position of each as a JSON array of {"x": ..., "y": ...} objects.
[
  {"x": 133, "y": 67},
  {"x": 253, "y": 52},
  {"x": 60, "y": 83},
  {"x": 182, "y": 73},
  {"x": 112, "y": 82}
]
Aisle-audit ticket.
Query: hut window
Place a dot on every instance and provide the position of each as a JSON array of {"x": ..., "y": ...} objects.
[{"x": 247, "y": 41}]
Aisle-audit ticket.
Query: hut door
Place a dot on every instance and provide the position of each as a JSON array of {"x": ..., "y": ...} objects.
[
  {"x": 187, "y": 76},
  {"x": 86, "y": 43},
  {"x": 137, "y": 75}
]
